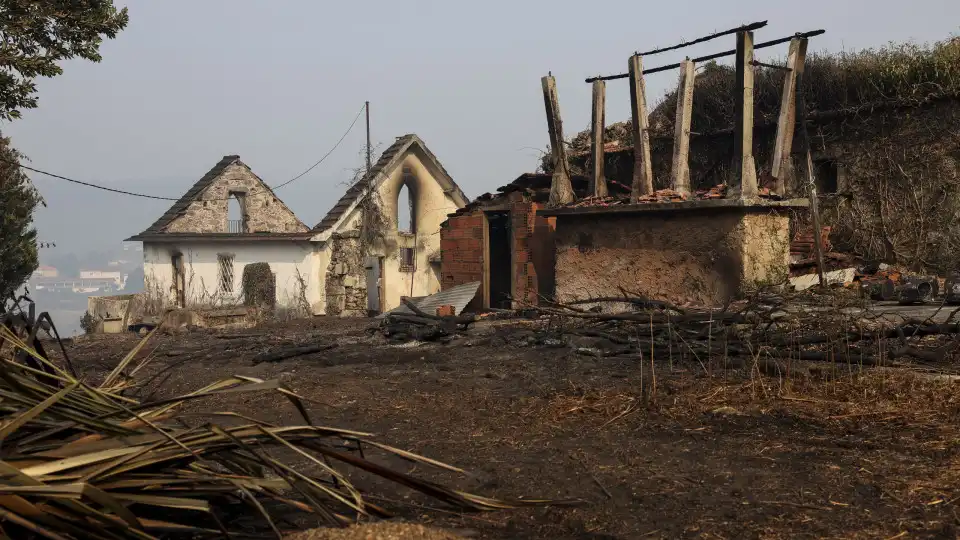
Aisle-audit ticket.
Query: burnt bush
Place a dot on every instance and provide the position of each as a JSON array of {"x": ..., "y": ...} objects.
[{"x": 259, "y": 285}]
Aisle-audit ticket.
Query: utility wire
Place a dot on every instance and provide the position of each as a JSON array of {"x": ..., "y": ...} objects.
[
  {"x": 157, "y": 197},
  {"x": 88, "y": 184},
  {"x": 349, "y": 129}
]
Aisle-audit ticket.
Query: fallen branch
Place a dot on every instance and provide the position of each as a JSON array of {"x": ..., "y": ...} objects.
[{"x": 291, "y": 352}]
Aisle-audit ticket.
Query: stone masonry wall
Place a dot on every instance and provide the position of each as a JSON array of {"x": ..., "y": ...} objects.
[
  {"x": 346, "y": 285},
  {"x": 697, "y": 257},
  {"x": 262, "y": 211}
]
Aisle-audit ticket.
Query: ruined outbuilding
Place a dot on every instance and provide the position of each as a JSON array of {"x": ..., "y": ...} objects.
[
  {"x": 700, "y": 252},
  {"x": 355, "y": 261},
  {"x": 680, "y": 244},
  {"x": 501, "y": 240}
]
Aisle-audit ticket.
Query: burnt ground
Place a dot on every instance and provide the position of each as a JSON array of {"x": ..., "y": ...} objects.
[{"x": 836, "y": 453}]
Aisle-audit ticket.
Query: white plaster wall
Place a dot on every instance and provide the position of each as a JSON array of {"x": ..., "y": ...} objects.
[
  {"x": 431, "y": 207},
  {"x": 202, "y": 269}
]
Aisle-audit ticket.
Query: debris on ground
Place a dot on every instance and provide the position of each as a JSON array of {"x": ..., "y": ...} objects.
[
  {"x": 834, "y": 277},
  {"x": 451, "y": 301},
  {"x": 87, "y": 461},
  {"x": 377, "y": 531},
  {"x": 418, "y": 325},
  {"x": 283, "y": 353}
]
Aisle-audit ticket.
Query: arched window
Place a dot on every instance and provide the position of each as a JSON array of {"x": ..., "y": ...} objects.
[
  {"x": 235, "y": 214},
  {"x": 406, "y": 221}
]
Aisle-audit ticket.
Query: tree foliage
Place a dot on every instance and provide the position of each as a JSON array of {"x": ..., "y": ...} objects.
[
  {"x": 18, "y": 238},
  {"x": 36, "y": 35}
]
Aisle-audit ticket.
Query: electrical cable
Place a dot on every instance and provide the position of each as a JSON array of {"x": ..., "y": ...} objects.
[{"x": 157, "y": 197}]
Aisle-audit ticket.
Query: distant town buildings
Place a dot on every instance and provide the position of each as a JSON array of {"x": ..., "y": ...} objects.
[
  {"x": 45, "y": 272},
  {"x": 101, "y": 274}
]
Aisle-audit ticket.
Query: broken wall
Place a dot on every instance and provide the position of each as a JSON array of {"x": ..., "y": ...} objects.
[
  {"x": 690, "y": 256},
  {"x": 533, "y": 254},
  {"x": 345, "y": 288},
  {"x": 896, "y": 172},
  {"x": 345, "y": 285},
  {"x": 262, "y": 210}
]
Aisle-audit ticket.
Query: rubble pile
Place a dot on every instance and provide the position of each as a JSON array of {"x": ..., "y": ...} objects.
[
  {"x": 422, "y": 326},
  {"x": 775, "y": 328}
]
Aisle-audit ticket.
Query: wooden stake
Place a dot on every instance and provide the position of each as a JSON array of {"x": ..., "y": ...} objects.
[
  {"x": 811, "y": 182},
  {"x": 781, "y": 168},
  {"x": 561, "y": 190},
  {"x": 642, "y": 167},
  {"x": 744, "y": 169},
  {"x": 598, "y": 184},
  {"x": 680, "y": 175}
]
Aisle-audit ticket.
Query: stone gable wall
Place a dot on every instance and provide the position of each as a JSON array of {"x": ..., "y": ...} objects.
[{"x": 263, "y": 212}]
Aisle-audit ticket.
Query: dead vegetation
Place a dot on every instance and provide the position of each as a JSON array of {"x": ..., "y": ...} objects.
[
  {"x": 89, "y": 461},
  {"x": 567, "y": 401},
  {"x": 825, "y": 449},
  {"x": 882, "y": 125}
]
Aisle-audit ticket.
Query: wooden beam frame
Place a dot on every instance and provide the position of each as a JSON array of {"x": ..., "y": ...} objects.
[
  {"x": 781, "y": 168},
  {"x": 561, "y": 189},
  {"x": 598, "y": 183},
  {"x": 642, "y": 167},
  {"x": 680, "y": 174},
  {"x": 744, "y": 169}
]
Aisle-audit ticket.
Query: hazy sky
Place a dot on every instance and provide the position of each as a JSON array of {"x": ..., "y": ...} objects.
[{"x": 278, "y": 82}]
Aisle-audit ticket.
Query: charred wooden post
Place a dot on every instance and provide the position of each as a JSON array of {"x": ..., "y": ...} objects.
[
  {"x": 598, "y": 183},
  {"x": 680, "y": 177},
  {"x": 714, "y": 56},
  {"x": 561, "y": 190},
  {"x": 811, "y": 181},
  {"x": 642, "y": 167},
  {"x": 781, "y": 168},
  {"x": 744, "y": 169}
]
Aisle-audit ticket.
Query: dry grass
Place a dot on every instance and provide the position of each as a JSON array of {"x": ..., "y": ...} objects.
[{"x": 84, "y": 461}]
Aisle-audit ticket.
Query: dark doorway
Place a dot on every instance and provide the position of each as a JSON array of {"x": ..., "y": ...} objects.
[
  {"x": 374, "y": 285},
  {"x": 501, "y": 259}
]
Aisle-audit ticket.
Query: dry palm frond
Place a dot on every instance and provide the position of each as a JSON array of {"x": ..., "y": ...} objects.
[{"x": 83, "y": 462}]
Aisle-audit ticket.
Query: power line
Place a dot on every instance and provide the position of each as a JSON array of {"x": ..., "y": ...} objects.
[
  {"x": 295, "y": 178},
  {"x": 157, "y": 197},
  {"x": 88, "y": 184}
]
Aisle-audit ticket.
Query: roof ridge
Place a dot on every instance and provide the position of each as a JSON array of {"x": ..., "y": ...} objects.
[{"x": 355, "y": 191}]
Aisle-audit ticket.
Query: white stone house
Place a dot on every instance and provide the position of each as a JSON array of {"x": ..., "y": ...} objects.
[{"x": 355, "y": 261}]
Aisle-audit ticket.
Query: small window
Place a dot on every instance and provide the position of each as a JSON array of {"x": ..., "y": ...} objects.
[
  {"x": 406, "y": 259},
  {"x": 226, "y": 273},
  {"x": 235, "y": 221},
  {"x": 405, "y": 212}
]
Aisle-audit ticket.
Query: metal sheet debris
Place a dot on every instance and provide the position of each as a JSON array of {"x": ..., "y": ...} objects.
[{"x": 458, "y": 297}]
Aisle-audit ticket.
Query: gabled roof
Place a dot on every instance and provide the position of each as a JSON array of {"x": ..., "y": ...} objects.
[
  {"x": 181, "y": 206},
  {"x": 191, "y": 195},
  {"x": 391, "y": 157}
]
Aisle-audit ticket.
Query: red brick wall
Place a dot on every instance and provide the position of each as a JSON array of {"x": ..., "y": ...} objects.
[
  {"x": 461, "y": 253},
  {"x": 533, "y": 253}
]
